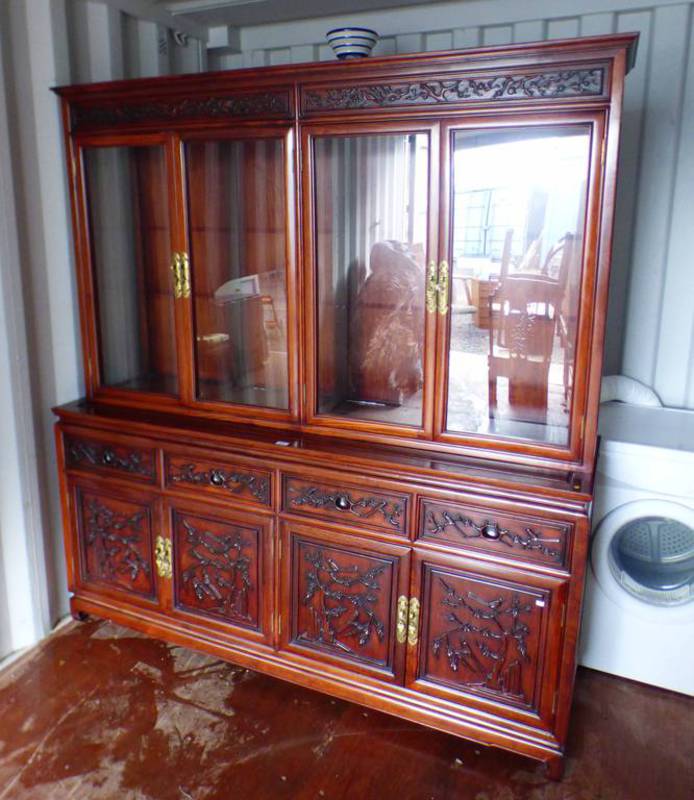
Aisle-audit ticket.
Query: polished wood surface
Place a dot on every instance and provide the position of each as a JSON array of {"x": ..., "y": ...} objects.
[{"x": 298, "y": 451}]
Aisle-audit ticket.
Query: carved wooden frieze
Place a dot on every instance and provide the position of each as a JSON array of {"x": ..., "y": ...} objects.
[
  {"x": 247, "y": 104},
  {"x": 116, "y": 542},
  {"x": 551, "y": 84},
  {"x": 92, "y": 454}
]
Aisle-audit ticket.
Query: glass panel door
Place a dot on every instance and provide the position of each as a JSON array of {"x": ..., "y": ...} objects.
[
  {"x": 371, "y": 240},
  {"x": 130, "y": 240},
  {"x": 517, "y": 224},
  {"x": 238, "y": 218}
]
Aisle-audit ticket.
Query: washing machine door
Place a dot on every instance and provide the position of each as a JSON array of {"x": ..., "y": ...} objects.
[{"x": 643, "y": 558}]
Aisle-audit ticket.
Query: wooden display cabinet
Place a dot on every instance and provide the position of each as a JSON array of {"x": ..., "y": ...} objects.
[{"x": 297, "y": 451}]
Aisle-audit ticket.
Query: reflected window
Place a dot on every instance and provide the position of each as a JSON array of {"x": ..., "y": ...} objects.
[
  {"x": 518, "y": 220},
  {"x": 371, "y": 242}
]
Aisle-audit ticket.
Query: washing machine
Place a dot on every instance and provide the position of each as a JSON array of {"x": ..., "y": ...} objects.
[{"x": 639, "y": 610}]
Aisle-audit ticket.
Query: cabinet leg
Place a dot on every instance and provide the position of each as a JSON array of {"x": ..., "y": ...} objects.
[{"x": 554, "y": 768}]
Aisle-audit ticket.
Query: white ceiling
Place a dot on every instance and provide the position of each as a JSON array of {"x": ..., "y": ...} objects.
[{"x": 240, "y": 13}]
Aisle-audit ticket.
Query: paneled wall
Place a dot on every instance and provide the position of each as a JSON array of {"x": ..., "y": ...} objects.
[{"x": 651, "y": 317}]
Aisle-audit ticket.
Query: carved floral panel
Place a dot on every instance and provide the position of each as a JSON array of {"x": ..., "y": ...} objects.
[
  {"x": 217, "y": 568},
  {"x": 342, "y": 601},
  {"x": 116, "y": 542},
  {"x": 229, "y": 105},
  {"x": 482, "y": 636},
  {"x": 550, "y": 84}
]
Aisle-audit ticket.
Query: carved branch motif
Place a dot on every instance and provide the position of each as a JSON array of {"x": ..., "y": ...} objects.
[
  {"x": 362, "y": 507},
  {"x": 115, "y": 538},
  {"x": 488, "y": 640},
  {"x": 241, "y": 105},
  {"x": 469, "y": 529},
  {"x": 220, "y": 574},
  {"x": 103, "y": 455},
  {"x": 560, "y": 83},
  {"x": 235, "y": 482},
  {"x": 341, "y": 602}
]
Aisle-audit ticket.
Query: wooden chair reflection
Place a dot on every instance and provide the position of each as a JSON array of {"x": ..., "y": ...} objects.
[{"x": 524, "y": 310}]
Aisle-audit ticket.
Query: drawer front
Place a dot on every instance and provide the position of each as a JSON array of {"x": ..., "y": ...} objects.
[
  {"x": 237, "y": 480},
  {"x": 344, "y": 502},
  {"x": 509, "y": 534},
  {"x": 97, "y": 455}
]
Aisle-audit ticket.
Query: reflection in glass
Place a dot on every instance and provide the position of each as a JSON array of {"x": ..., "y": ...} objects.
[
  {"x": 518, "y": 219},
  {"x": 238, "y": 260},
  {"x": 371, "y": 240},
  {"x": 131, "y": 253}
]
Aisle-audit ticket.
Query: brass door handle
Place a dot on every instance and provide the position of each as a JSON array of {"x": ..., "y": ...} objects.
[
  {"x": 401, "y": 624},
  {"x": 437, "y": 287},
  {"x": 443, "y": 287},
  {"x": 180, "y": 266},
  {"x": 432, "y": 286}
]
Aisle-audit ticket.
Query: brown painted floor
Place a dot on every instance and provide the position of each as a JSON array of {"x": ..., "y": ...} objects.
[{"x": 100, "y": 712}]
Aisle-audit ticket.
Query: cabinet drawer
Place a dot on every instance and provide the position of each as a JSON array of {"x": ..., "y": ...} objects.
[
  {"x": 506, "y": 533},
  {"x": 225, "y": 479},
  {"x": 344, "y": 502},
  {"x": 128, "y": 460}
]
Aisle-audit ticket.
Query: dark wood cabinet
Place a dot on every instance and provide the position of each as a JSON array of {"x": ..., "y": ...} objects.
[
  {"x": 341, "y": 599},
  {"x": 489, "y": 635},
  {"x": 221, "y": 567},
  {"x": 342, "y": 329}
]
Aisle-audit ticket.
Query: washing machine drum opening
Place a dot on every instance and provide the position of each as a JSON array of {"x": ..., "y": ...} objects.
[{"x": 652, "y": 558}]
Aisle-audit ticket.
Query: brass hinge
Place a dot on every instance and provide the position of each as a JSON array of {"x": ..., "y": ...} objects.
[
  {"x": 162, "y": 557},
  {"x": 180, "y": 266},
  {"x": 413, "y": 621},
  {"x": 555, "y": 700},
  {"x": 402, "y": 616},
  {"x": 563, "y": 616}
]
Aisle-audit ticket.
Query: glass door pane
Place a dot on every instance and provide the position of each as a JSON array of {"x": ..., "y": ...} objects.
[
  {"x": 127, "y": 198},
  {"x": 237, "y": 226},
  {"x": 371, "y": 218},
  {"x": 518, "y": 207}
]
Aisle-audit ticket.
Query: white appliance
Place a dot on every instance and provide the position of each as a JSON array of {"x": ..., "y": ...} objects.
[{"x": 639, "y": 612}]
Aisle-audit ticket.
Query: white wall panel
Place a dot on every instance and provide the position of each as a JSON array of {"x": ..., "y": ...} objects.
[{"x": 650, "y": 326}]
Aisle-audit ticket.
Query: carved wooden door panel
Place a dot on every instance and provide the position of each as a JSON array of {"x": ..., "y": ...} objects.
[
  {"x": 116, "y": 530},
  {"x": 489, "y": 635},
  {"x": 340, "y": 600},
  {"x": 222, "y": 569}
]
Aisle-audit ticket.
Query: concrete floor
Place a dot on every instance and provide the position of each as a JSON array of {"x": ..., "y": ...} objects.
[{"x": 97, "y": 712}]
